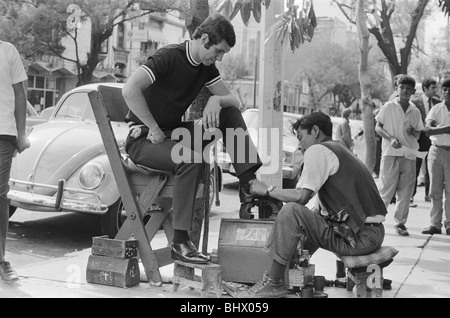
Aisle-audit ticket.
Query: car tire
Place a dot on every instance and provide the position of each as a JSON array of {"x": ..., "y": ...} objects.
[
  {"x": 12, "y": 210},
  {"x": 113, "y": 219}
]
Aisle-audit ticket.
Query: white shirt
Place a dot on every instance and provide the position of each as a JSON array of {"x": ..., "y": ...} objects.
[
  {"x": 395, "y": 121},
  {"x": 11, "y": 72},
  {"x": 320, "y": 163},
  {"x": 440, "y": 114}
]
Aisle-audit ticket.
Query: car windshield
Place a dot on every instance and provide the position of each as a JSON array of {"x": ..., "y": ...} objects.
[
  {"x": 251, "y": 119},
  {"x": 75, "y": 107}
]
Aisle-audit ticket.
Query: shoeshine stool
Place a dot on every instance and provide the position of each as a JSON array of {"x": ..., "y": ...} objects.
[
  {"x": 209, "y": 278},
  {"x": 366, "y": 271}
]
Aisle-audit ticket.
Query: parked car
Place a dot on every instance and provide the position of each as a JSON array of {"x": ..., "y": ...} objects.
[
  {"x": 47, "y": 112},
  {"x": 292, "y": 159},
  {"x": 33, "y": 118},
  {"x": 67, "y": 152}
]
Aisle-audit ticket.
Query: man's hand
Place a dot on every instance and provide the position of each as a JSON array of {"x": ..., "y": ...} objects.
[
  {"x": 211, "y": 113},
  {"x": 395, "y": 143},
  {"x": 22, "y": 144},
  {"x": 258, "y": 188},
  {"x": 156, "y": 136}
]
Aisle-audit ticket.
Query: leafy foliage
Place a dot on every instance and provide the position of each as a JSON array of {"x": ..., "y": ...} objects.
[
  {"x": 445, "y": 5},
  {"x": 295, "y": 26},
  {"x": 246, "y": 7}
]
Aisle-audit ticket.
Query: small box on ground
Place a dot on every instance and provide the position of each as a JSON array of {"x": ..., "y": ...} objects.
[
  {"x": 301, "y": 276},
  {"x": 104, "y": 246},
  {"x": 113, "y": 262},
  {"x": 113, "y": 271}
]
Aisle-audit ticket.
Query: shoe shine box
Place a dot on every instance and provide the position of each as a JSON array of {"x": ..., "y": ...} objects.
[
  {"x": 240, "y": 249},
  {"x": 113, "y": 263}
]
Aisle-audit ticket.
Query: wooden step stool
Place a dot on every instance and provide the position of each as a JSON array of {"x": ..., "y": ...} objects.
[
  {"x": 366, "y": 271},
  {"x": 211, "y": 277}
]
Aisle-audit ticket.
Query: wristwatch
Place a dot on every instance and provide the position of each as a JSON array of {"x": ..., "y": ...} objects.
[{"x": 269, "y": 189}]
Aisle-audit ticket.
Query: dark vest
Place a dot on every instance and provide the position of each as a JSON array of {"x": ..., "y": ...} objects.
[{"x": 351, "y": 188}]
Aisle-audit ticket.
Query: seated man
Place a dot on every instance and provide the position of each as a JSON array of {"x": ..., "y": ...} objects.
[
  {"x": 158, "y": 95},
  {"x": 349, "y": 221}
]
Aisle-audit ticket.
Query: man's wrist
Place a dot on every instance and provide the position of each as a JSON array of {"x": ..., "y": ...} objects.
[{"x": 269, "y": 190}]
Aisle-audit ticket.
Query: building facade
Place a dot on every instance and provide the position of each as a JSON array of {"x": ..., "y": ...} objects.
[{"x": 131, "y": 42}]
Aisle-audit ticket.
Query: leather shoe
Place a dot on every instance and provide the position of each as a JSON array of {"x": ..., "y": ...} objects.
[
  {"x": 431, "y": 230},
  {"x": 247, "y": 202},
  {"x": 245, "y": 211},
  {"x": 427, "y": 198},
  {"x": 187, "y": 252},
  {"x": 244, "y": 193}
]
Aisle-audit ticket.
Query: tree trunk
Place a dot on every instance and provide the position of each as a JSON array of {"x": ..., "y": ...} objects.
[
  {"x": 198, "y": 13},
  {"x": 366, "y": 93}
]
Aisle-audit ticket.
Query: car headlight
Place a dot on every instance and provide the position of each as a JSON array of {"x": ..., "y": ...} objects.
[{"x": 91, "y": 176}]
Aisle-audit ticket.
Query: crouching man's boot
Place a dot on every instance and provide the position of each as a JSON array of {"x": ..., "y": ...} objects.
[{"x": 268, "y": 287}]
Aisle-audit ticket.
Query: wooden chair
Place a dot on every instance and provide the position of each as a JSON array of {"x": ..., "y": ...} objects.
[{"x": 144, "y": 191}]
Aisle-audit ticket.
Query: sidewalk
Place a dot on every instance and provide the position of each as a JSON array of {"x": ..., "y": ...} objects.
[{"x": 420, "y": 270}]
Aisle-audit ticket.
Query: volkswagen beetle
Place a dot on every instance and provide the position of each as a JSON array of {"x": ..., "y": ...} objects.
[{"x": 66, "y": 169}]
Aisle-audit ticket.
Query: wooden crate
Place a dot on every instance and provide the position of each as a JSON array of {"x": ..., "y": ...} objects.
[
  {"x": 103, "y": 246},
  {"x": 113, "y": 271}
]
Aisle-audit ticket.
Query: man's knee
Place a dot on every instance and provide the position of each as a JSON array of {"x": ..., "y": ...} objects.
[{"x": 289, "y": 211}]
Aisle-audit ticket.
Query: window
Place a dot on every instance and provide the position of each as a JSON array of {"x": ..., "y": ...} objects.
[
  {"x": 104, "y": 47},
  {"x": 121, "y": 36},
  {"x": 43, "y": 91},
  {"x": 75, "y": 107}
]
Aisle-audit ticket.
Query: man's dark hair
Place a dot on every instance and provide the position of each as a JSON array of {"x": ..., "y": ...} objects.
[
  {"x": 318, "y": 119},
  {"x": 427, "y": 83},
  {"x": 446, "y": 83},
  {"x": 218, "y": 28},
  {"x": 396, "y": 77},
  {"x": 407, "y": 80}
]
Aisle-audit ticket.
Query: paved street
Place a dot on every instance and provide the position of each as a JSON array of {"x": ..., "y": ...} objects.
[{"x": 420, "y": 270}]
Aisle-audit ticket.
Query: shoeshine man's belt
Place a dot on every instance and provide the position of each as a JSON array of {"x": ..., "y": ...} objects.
[
  {"x": 373, "y": 224},
  {"x": 443, "y": 147}
]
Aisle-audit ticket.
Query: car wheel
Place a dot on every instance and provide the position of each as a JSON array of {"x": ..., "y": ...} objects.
[
  {"x": 112, "y": 221},
  {"x": 12, "y": 210}
]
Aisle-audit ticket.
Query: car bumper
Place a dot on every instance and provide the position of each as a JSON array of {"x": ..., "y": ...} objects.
[{"x": 65, "y": 199}]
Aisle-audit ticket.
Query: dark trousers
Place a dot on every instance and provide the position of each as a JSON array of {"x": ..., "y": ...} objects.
[
  {"x": 183, "y": 152},
  {"x": 7, "y": 147}
]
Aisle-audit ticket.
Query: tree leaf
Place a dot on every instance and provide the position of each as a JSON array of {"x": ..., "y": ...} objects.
[
  {"x": 267, "y": 3},
  {"x": 237, "y": 7},
  {"x": 257, "y": 10},
  {"x": 226, "y": 8},
  {"x": 246, "y": 10}
]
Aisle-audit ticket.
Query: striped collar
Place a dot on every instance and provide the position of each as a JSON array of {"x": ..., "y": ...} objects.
[{"x": 189, "y": 54}]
